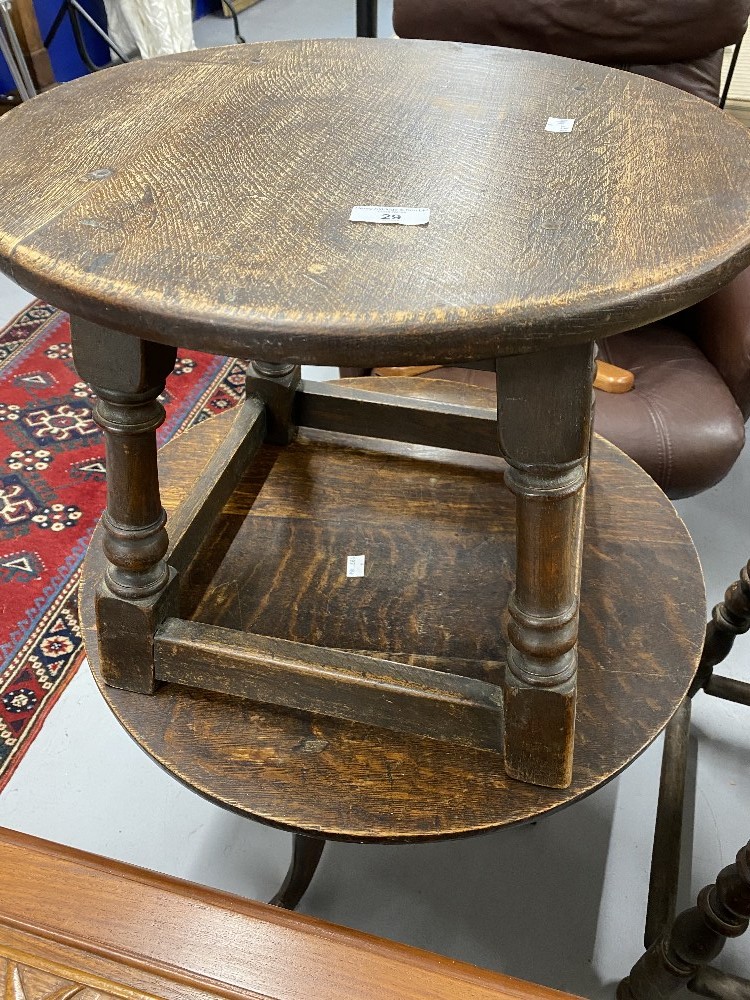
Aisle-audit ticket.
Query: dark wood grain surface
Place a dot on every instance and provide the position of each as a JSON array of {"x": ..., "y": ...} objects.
[
  {"x": 203, "y": 200},
  {"x": 438, "y": 532}
]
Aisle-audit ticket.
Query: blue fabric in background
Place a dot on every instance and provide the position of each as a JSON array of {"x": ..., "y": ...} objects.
[{"x": 6, "y": 85}]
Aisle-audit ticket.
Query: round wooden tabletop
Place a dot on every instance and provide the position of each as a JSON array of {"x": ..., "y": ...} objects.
[
  {"x": 438, "y": 531},
  {"x": 203, "y": 199}
]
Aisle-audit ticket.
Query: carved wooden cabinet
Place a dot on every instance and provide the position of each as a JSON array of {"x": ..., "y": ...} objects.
[{"x": 73, "y": 925}]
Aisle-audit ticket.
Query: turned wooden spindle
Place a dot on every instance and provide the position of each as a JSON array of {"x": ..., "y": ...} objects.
[
  {"x": 135, "y": 539},
  {"x": 275, "y": 383},
  {"x": 696, "y": 937},
  {"x": 729, "y": 619},
  {"x": 128, "y": 374},
  {"x": 544, "y": 419}
]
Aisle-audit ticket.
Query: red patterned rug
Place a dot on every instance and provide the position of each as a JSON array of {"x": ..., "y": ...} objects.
[{"x": 52, "y": 491}]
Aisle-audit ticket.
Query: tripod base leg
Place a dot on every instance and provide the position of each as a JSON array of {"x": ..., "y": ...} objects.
[{"x": 306, "y": 854}]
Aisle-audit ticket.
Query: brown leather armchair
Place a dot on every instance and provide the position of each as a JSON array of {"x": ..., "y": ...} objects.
[{"x": 684, "y": 420}]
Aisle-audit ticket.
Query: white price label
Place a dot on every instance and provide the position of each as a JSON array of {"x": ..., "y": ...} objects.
[
  {"x": 355, "y": 565},
  {"x": 559, "y": 125},
  {"x": 384, "y": 215}
]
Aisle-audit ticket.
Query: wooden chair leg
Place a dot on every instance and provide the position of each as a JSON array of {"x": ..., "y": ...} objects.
[
  {"x": 695, "y": 938},
  {"x": 680, "y": 949},
  {"x": 729, "y": 619},
  {"x": 665, "y": 857},
  {"x": 306, "y": 854}
]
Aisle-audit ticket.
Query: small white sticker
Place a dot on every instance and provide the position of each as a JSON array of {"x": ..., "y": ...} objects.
[
  {"x": 560, "y": 124},
  {"x": 384, "y": 215},
  {"x": 355, "y": 565}
]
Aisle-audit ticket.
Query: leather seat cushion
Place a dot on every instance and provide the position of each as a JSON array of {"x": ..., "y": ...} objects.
[
  {"x": 680, "y": 422},
  {"x": 620, "y": 32}
]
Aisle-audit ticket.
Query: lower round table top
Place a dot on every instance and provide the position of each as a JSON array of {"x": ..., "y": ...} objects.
[
  {"x": 203, "y": 199},
  {"x": 438, "y": 532}
]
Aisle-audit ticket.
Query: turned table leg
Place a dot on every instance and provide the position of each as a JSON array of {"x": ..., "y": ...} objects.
[
  {"x": 306, "y": 854},
  {"x": 544, "y": 422},
  {"x": 128, "y": 374}
]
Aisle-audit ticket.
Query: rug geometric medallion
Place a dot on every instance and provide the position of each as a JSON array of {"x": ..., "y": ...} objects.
[{"x": 52, "y": 492}]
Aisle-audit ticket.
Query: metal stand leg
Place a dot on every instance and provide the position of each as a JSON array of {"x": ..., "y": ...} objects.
[
  {"x": 730, "y": 74},
  {"x": 306, "y": 854},
  {"x": 10, "y": 50},
  {"x": 235, "y": 21},
  {"x": 74, "y": 9},
  {"x": 367, "y": 18}
]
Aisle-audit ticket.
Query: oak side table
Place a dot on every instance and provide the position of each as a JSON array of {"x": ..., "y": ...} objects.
[
  {"x": 438, "y": 532},
  {"x": 204, "y": 200}
]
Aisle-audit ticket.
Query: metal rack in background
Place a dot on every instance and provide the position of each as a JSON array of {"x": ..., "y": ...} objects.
[
  {"x": 367, "y": 18},
  {"x": 76, "y": 12},
  {"x": 229, "y": 4},
  {"x": 235, "y": 21},
  {"x": 10, "y": 50},
  {"x": 730, "y": 73}
]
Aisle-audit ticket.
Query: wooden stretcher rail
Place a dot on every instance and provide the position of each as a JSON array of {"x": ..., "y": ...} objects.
[
  {"x": 330, "y": 407},
  {"x": 194, "y": 516},
  {"x": 331, "y": 682},
  {"x": 729, "y": 688}
]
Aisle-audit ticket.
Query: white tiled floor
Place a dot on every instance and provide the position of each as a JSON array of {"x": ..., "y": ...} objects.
[{"x": 561, "y": 902}]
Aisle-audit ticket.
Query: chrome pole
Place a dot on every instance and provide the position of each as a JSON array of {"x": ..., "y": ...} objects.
[{"x": 11, "y": 51}]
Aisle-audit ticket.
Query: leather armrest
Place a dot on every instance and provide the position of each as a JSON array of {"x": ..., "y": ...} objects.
[{"x": 612, "y": 378}]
